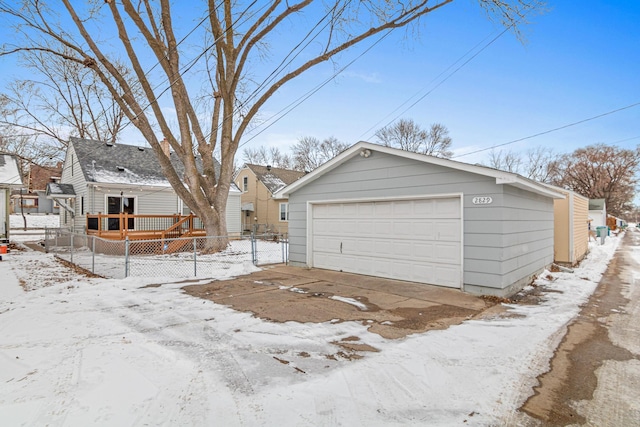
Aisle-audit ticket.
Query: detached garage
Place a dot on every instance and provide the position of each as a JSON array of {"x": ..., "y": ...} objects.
[{"x": 390, "y": 213}]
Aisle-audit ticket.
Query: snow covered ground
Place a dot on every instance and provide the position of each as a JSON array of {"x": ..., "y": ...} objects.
[
  {"x": 36, "y": 223},
  {"x": 77, "y": 351}
]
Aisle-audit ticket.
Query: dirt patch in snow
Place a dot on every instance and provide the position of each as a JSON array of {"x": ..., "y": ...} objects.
[{"x": 385, "y": 310}]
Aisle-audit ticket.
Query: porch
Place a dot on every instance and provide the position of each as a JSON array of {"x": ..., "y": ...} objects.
[{"x": 144, "y": 227}]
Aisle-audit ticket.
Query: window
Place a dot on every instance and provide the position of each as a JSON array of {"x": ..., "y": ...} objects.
[
  {"x": 284, "y": 211},
  {"x": 245, "y": 183},
  {"x": 120, "y": 204},
  {"x": 29, "y": 203},
  {"x": 82, "y": 205}
]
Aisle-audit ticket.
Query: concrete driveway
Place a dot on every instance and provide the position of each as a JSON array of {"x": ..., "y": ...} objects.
[{"x": 391, "y": 308}]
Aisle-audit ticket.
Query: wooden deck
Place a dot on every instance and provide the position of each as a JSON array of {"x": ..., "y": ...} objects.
[{"x": 143, "y": 227}]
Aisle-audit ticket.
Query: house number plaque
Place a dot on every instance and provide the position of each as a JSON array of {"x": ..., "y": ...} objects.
[{"x": 482, "y": 200}]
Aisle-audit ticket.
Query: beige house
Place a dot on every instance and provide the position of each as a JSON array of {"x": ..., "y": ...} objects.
[
  {"x": 571, "y": 227},
  {"x": 261, "y": 212}
]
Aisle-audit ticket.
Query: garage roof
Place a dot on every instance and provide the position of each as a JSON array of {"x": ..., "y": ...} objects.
[{"x": 367, "y": 149}]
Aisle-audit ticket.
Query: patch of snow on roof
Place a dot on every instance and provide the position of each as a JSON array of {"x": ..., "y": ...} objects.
[
  {"x": 126, "y": 177},
  {"x": 9, "y": 172},
  {"x": 273, "y": 183}
]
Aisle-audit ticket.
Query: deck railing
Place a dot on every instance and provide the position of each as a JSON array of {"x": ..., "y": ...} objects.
[{"x": 122, "y": 225}]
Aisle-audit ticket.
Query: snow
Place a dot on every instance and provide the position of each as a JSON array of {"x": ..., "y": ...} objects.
[
  {"x": 34, "y": 221},
  {"x": 9, "y": 173},
  {"x": 76, "y": 351},
  {"x": 351, "y": 301},
  {"x": 273, "y": 183}
]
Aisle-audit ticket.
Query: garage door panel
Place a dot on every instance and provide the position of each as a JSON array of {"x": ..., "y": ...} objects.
[
  {"x": 449, "y": 208},
  {"x": 415, "y": 240},
  {"x": 447, "y": 230},
  {"x": 449, "y": 276},
  {"x": 382, "y": 209},
  {"x": 383, "y": 227},
  {"x": 447, "y": 253}
]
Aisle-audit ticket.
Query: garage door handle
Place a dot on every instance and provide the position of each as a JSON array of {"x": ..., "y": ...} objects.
[{"x": 340, "y": 247}]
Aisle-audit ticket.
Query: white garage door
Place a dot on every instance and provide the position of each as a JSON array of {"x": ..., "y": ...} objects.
[{"x": 415, "y": 240}]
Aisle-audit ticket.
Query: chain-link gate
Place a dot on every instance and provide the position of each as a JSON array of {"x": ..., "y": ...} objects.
[{"x": 182, "y": 257}]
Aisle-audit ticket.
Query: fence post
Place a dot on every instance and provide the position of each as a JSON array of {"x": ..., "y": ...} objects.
[
  {"x": 57, "y": 233},
  {"x": 126, "y": 256},
  {"x": 195, "y": 257},
  {"x": 46, "y": 240},
  {"x": 93, "y": 255},
  {"x": 284, "y": 260},
  {"x": 71, "y": 251},
  {"x": 254, "y": 256}
]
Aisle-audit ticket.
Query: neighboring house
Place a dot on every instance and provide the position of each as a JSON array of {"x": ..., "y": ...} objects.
[
  {"x": 99, "y": 177},
  {"x": 35, "y": 200},
  {"x": 10, "y": 179},
  {"x": 391, "y": 213},
  {"x": 260, "y": 209},
  {"x": 597, "y": 213},
  {"x": 571, "y": 227}
]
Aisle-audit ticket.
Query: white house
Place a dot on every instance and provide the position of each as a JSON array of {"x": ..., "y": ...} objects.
[{"x": 107, "y": 178}]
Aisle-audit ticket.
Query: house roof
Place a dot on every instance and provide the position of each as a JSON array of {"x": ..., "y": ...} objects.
[
  {"x": 565, "y": 191},
  {"x": 10, "y": 175},
  {"x": 108, "y": 163},
  {"x": 367, "y": 149},
  {"x": 275, "y": 179},
  {"x": 57, "y": 190},
  {"x": 596, "y": 204}
]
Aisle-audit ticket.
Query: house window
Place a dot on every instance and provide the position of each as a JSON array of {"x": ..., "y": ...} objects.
[
  {"x": 245, "y": 183},
  {"x": 284, "y": 211},
  {"x": 29, "y": 203},
  {"x": 116, "y": 205},
  {"x": 72, "y": 162}
]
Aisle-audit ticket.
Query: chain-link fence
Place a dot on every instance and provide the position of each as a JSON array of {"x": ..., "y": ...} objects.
[{"x": 183, "y": 257}]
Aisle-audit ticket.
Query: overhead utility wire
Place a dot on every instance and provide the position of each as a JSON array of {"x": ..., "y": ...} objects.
[
  {"x": 185, "y": 69},
  {"x": 113, "y": 102},
  {"x": 376, "y": 125},
  {"x": 550, "y": 130},
  {"x": 286, "y": 110},
  {"x": 281, "y": 66}
]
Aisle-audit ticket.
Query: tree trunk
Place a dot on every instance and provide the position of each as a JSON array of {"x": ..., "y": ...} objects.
[{"x": 215, "y": 224}]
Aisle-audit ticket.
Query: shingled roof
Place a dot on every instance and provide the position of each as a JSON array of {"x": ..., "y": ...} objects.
[
  {"x": 275, "y": 179},
  {"x": 124, "y": 164}
]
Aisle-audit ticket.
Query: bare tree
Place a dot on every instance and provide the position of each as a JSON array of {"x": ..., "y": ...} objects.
[
  {"x": 601, "y": 172},
  {"x": 273, "y": 156},
  {"x": 407, "y": 135},
  {"x": 309, "y": 152},
  {"x": 68, "y": 100},
  {"x": 505, "y": 160},
  {"x": 537, "y": 163},
  {"x": 236, "y": 35},
  {"x": 540, "y": 164}
]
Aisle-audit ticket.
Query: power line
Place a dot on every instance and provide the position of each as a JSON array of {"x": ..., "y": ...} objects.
[
  {"x": 286, "y": 110},
  {"x": 439, "y": 83},
  {"x": 552, "y": 130}
]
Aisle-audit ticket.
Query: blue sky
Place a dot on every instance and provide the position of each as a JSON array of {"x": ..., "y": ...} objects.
[{"x": 579, "y": 60}]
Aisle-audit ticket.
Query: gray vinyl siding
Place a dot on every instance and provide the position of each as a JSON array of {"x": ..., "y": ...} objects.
[
  {"x": 502, "y": 242},
  {"x": 72, "y": 174}
]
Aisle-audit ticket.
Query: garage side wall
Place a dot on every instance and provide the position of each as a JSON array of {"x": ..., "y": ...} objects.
[
  {"x": 387, "y": 176},
  {"x": 580, "y": 227},
  {"x": 528, "y": 237}
]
